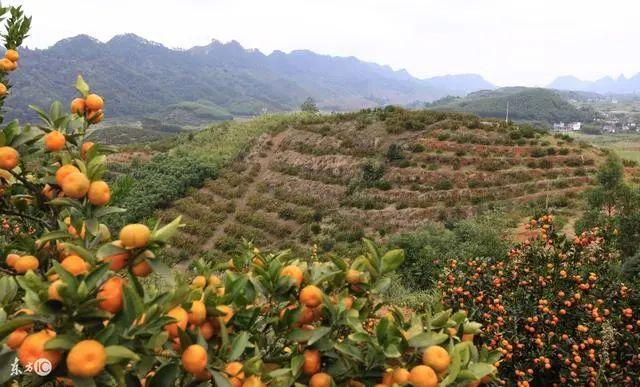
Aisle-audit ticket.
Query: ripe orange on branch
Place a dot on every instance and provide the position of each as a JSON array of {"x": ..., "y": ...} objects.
[
  {"x": 311, "y": 296},
  {"x": 32, "y": 349},
  {"x": 86, "y": 359},
  {"x": 135, "y": 235},
  {"x": 194, "y": 359},
  {"x": 99, "y": 193},
  {"x": 9, "y": 158},
  {"x": 54, "y": 141},
  {"x": 94, "y": 102},
  {"x": 75, "y": 185}
]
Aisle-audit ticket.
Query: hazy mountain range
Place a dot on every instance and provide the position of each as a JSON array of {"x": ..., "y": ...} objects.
[
  {"x": 605, "y": 85},
  {"x": 139, "y": 78}
]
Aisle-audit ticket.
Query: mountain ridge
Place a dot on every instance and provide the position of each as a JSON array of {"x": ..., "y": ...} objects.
[
  {"x": 604, "y": 85},
  {"x": 139, "y": 77}
]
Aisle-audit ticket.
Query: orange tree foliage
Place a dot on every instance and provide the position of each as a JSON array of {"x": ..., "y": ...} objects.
[
  {"x": 555, "y": 307},
  {"x": 71, "y": 294}
]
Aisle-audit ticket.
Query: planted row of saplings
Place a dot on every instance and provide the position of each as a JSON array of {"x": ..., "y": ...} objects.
[
  {"x": 500, "y": 163},
  {"x": 427, "y": 199},
  {"x": 497, "y": 150},
  {"x": 474, "y": 179}
]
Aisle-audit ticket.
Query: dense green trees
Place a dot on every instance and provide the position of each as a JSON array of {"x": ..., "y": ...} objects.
[{"x": 614, "y": 205}]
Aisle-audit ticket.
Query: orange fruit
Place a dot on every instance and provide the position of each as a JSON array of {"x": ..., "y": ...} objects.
[
  {"x": 77, "y": 106},
  {"x": 85, "y": 148},
  {"x": 194, "y": 359},
  {"x": 86, "y": 359},
  {"x": 75, "y": 185},
  {"x": 32, "y": 349},
  {"x": 11, "y": 259},
  {"x": 111, "y": 295},
  {"x": 234, "y": 373},
  {"x": 199, "y": 282},
  {"x": 65, "y": 171},
  {"x": 54, "y": 141},
  {"x": 75, "y": 265},
  {"x": 294, "y": 272},
  {"x": 6, "y": 64},
  {"x": 437, "y": 358},
  {"x": 228, "y": 313},
  {"x": 142, "y": 267},
  {"x": 423, "y": 376},
  {"x": 26, "y": 263},
  {"x": 353, "y": 277},
  {"x": 15, "y": 339},
  {"x": 118, "y": 261},
  {"x": 135, "y": 235},
  {"x": 207, "y": 330},
  {"x": 94, "y": 102},
  {"x": 52, "y": 291},
  {"x": 12, "y": 55},
  {"x": 400, "y": 376},
  {"x": 182, "y": 316},
  {"x": 311, "y": 296},
  {"x": 3, "y": 89},
  {"x": 9, "y": 158},
  {"x": 214, "y": 281},
  {"x": 99, "y": 193},
  {"x": 311, "y": 361},
  {"x": 320, "y": 379},
  {"x": 198, "y": 313},
  {"x": 253, "y": 381},
  {"x": 95, "y": 117}
]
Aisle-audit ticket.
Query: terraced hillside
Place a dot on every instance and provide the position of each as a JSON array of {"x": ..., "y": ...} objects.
[{"x": 330, "y": 180}]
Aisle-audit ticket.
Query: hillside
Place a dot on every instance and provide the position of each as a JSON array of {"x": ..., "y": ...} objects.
[
  {"x": 330, "y": 180},
  {"x": 525, "y": 104},
  {"x": 141, "y": 78}
]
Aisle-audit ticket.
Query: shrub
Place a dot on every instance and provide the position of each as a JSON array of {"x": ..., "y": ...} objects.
[{"x": 556, "y": 309}]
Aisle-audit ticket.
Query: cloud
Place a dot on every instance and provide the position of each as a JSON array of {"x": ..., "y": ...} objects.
[{"x": 509, "y": 42}]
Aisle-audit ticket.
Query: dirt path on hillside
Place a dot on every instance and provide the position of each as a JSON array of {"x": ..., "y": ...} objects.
[{"x": 241, "y": 202}]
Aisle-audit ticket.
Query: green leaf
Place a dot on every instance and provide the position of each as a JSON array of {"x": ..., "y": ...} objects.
[
  {"x": 481, "y": 370},
  {"x": 108, "y": 250},
  {"x": 318, "y": 333},
  {"x": 162, "y": 270},
  {"x": 167, "y": 374},
  {"x": 104, "y": 211},
  {"x": 82, "y": 86},
  {"x": 54, "y": 235},
  {"x": 13, "y": 324},
  {"x": 238, "y": 345},
  {"x": 118, "y": 353},
  {"x": 61, "y": 342},
  {"x": 391, "y": 260},
  {"x": 83, "y": 382},
  {"x": 427, "y": 339},
  {"x": 167, "y": 232},
  {"x": 220, "y": 379}
]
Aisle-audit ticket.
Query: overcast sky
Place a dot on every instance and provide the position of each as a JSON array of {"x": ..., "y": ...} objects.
[{"x": 508, "y": 42}]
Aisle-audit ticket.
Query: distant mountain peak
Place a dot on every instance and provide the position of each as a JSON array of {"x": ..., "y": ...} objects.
[
  {"x": 132, "y": 38},
  {"x": 78, "y": 39}
]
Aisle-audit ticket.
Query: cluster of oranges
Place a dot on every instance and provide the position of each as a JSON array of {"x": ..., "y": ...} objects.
[
  {"x": 8, "y": 63},
  {"x": 90, "y": 107},
  {"x": 553, "y": 309}
]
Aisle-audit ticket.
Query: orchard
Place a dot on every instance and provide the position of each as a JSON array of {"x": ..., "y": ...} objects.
[
  {"x": 555, "y": 307},
  {"x": 84, "y": 305}
]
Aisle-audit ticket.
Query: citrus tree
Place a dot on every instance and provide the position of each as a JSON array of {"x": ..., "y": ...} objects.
[
  {"x": 77, "y": 309},
  {"x": 555, "y": 307}
]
